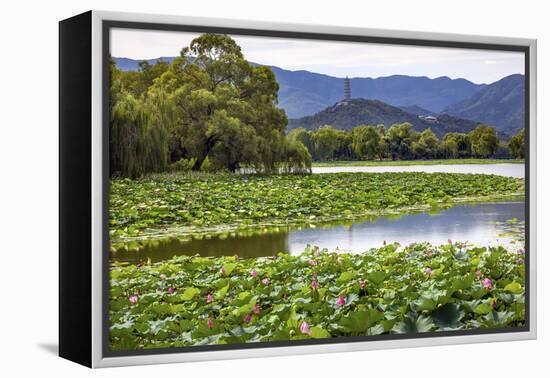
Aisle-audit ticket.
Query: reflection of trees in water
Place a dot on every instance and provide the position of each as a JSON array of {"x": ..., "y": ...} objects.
[{"x": 243, "y": 246}]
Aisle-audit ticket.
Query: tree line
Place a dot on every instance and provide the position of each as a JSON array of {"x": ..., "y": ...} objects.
[
  {"x": 208, "y": 109},
  {"x": 402, "y": 142}
]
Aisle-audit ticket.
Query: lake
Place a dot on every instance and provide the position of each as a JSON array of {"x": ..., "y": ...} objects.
[
  {"x": 504, "y": 169},
  {"x": 474, "y": 223}
]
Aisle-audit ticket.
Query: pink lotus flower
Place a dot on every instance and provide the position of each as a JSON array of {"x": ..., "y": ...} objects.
[
  {"x": 256, "y": 309},
  {"x": 222, "y": 270},
  {"x": 362, "y": 284},
  {"x": 449, "y": 241},
  {"x": 133, "y": 299},
  {"x": 254, "y": 274},
  {"x": 428, "y": 271},
  {"x": 304, "y": 328},
  {"x": 209, "y": 298},
  {"x": 340, "y": 301},
  {"x": 314, "y": 284},
  {"x": 521, "y": 251},
  {"x": 312, "y": 262},
  {"x": 170, "y": 290},
  {"x": 210, "y": 323},
  {"x": 265, "y": 281},
  {"x": 487, "y": 283},
  {"x": 162, "y": 276},
  {"x": 247, "y": 318}
]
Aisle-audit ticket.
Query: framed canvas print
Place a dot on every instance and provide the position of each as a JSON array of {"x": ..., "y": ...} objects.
[{"x": 233, "y": 189}]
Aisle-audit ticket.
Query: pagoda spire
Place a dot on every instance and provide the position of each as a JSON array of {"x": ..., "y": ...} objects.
[{"x": 347, "y": 90}]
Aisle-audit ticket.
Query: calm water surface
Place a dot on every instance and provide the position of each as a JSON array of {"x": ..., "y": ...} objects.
[{"x": 473, "y": 223}]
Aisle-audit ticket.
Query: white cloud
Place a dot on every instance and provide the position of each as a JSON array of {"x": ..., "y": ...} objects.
[{"x": 335, "y": 58}]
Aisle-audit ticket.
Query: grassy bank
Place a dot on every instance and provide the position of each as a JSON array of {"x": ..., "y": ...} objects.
[
  {"x": 190, "y": 203},
  {"x": 376, "y": 163},
  {"x": 420, "y": 288}
]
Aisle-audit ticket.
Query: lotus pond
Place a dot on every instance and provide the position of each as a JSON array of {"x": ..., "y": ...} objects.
[
  {"x": 308, "y": 293},
  {"x": 317, "y": 294},
  {"x": 183, "y": 204}
]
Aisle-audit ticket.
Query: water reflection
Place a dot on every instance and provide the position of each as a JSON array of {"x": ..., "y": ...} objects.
[
  {"x": 465, "y": 223},
  {"x": 475, "y": 223}
]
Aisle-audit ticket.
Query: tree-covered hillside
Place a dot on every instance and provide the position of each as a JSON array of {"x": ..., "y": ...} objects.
[{"x": 373, "y": 112}]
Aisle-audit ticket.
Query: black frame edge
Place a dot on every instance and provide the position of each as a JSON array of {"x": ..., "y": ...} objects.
[{"x": 75, "y": 170}]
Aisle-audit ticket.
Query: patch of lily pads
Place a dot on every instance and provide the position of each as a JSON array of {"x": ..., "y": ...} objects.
[{"x": 193, "y": 300}]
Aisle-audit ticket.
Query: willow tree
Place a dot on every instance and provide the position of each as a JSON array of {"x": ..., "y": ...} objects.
[
  {"x": 517, "y": 145},
  {"x": 297, "y": 158},
  {"x": 366, "y": 142},
  {"x": 400, "y": 137},
  {"x": 483, "y": 140},
  {"x": 226, "y": 108},
  {"x": 138, "y": 138}
]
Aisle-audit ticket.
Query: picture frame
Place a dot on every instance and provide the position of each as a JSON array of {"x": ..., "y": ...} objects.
[{"x": 84, "y": 147}]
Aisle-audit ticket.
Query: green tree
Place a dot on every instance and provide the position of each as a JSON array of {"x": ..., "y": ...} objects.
[
  {"x": 305, "y": 137},
  {"x": 138, "y": 82},
  {"x": 400, "y": 138},
  {"x": 484, "y": 141},
  {"x": 297, "y": 157},
  {"x": 449, "y": 148},
  {"x": 366, "y": 142},
  {"x": 516, "y": 145},
  {"x": 225, "y": 106},
  {"x": 138, "y": 144},
  {"x": 456, "y": 145},
  {"x": 326, "y": 142},
  {"x": 427, "y": 145}
]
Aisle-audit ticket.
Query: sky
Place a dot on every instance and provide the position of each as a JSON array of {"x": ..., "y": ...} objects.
[{"x": 339, "y": 59}]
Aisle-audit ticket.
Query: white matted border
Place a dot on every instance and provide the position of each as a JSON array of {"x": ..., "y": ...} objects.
[{"x": 97, "y": 193}]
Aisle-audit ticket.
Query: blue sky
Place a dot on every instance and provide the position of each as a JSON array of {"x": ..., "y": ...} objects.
[{"x": 338, "y": 59}]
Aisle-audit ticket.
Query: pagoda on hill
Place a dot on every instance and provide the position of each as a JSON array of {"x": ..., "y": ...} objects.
[{"x": 347, "y": 92}]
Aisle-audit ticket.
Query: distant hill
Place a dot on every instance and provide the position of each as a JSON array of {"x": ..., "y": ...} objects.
[
  {"x": 374, "y": 112},
  {"x": 501, "y": 104},
  {"x": 303, "y": 93}
]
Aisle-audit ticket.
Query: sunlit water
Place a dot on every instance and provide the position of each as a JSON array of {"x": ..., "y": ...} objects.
[
  {"x": 504, "y": 169},
  {"x": 474, "y": 223}
]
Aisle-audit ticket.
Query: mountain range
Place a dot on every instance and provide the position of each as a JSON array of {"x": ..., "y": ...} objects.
[
  {"x": 303, "y": 94},
  {"x": 501, "y": 103}
]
